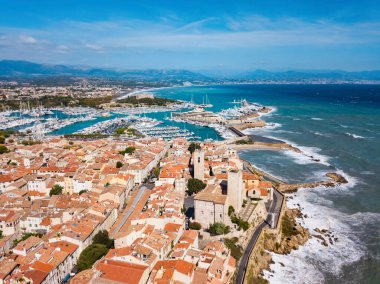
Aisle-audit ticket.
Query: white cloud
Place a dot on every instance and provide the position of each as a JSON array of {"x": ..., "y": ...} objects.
[
  {"x": 176, "y": 38},
  {"x": 95, "y": 47},
  {"x": 27, "y": 39},
  {"x": 62, "y": 48}
]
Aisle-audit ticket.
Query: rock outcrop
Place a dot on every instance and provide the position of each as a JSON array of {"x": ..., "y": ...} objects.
[
  {"x": 335, "y": 179},
  {"x": 293, "y": 235}
]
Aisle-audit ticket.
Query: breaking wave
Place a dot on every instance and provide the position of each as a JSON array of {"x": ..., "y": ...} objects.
[
  {"x": 310, "y": 262},
  {"x": 355, "y": 136}
]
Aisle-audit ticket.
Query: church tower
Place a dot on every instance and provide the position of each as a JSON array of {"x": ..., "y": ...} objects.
[
  {"x": 235, "y": 188},
  {"x": 199, "y": 164}
]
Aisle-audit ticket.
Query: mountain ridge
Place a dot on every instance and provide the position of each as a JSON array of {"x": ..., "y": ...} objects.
[{"x": 22, "y": 68}]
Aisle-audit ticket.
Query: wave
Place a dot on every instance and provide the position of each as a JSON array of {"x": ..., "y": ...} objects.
[
  {"x": 308, "y": 155},
  {"x": 320, "y": 134},
  {"x": 369, "y": 173},
  {"x": 267, "y": 127},
  {"x": 355, "y": 136},
  {"x": 270, "y": 113},
  {"x": 272, "y": 125},
  {"x": 352, "y": 181},
  {"x": 311, "y": 262},
  {"x": 316, "y": 118}
]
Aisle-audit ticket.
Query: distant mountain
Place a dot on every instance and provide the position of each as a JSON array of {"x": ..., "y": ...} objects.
[
  {"x": 26, "y": 69},
  {"x": 17, "y": 68},
  {"x": 308, "y": 75}
]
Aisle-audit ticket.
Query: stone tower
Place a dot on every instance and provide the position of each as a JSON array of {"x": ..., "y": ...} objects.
[
  {"x": 199, "y": 164},
  {"x": 235, "y": 189}
]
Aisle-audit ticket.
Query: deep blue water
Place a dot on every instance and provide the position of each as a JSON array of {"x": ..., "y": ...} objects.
[{"x": 339, "y": 124}]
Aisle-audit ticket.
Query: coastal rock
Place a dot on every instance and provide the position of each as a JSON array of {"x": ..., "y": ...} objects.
[
  {"x": 265, "y": 109},
  {"x": 337, "y": 178},
  {"x": 293, "y": 235}
]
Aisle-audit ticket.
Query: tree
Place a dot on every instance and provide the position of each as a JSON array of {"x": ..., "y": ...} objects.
[
  {"x": 195, "y": 226},
  {"x": 102, "y": 238},
  {"x": 2, "y": 140},
  {"x": 3, "y": 149},
  {"x": 1, "y": 234},
  {"x": 219, "y": 229},
  {"x": 128, "y": 150},
  {"x": 82, "y": 191},
  {"x": 120, "y": 131},
  {"x": 119, "y": 164},
  {"x": 240, "y": 222},
  {"x": 236, "y": 250},
  {"x": 231, "y": 210},
  {"x": 56, "y": 190},
  {"x": 90, "y": 255},
  {"x": 193, "y": 146},
  {"x": 194, "y": 186},
  {"x": 156, "y": 171}
]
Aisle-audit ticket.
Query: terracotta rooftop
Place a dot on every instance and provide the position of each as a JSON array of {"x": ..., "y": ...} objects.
[{"x": 212, "y": 193}]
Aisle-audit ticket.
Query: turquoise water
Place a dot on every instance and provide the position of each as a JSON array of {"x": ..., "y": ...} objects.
[
  {"x": 199, "y": 131},
  {"x": 340, "y": 125}
]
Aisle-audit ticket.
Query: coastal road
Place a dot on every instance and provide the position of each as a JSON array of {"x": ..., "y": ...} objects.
[
  {"x": 274, "y": 208},
  {"x": 248, "y": 167},
  {"x": 128, "y": 213}
]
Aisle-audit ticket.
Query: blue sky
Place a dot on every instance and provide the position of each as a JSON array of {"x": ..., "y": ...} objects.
[{"x": 196, "y": 35}]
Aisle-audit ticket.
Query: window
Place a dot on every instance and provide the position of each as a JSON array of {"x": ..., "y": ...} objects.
[{"x": 199, "y": 159}]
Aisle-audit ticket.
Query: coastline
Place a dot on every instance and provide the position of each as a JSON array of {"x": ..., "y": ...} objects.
[
  {"x": 255, "y": 147},
  {"x": 139, "y": 91},
  {"x": 288, "y": 236}
]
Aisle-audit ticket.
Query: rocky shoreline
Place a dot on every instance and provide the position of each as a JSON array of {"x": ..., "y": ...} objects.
[
  {"x": 334, "y": 180},
  {"x": 289, "y": 236}
]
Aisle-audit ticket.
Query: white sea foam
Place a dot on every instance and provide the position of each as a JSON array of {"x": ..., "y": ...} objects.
[
  {"x": 268, "y": 126},
  {"x": 355, "y": 136},
  {"x": 367, "y": 173},
  {"x": 270, "y": 113},
  {"x": 316, "y": 118},
  {"x": 321, "y": 134},
  {"x": 341, "y": 189},
  {"x": 272, "y": 125},
  {"x": 309, "y": 263},
  {"x": 309, "y": 155},
  {"x": 352, "y": 181}
]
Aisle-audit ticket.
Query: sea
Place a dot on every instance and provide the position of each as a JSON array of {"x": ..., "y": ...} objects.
[{"x": 339, "y": 125}]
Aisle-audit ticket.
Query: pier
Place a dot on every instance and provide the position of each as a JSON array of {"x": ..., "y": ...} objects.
[{"x": 237, "y": 132}]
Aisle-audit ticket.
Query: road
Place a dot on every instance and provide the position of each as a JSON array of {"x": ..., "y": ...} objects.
[
  {"x": 128, "y": 213},
  {"x": 275, "y": 208},
  {"x": 248, "y": 167}
]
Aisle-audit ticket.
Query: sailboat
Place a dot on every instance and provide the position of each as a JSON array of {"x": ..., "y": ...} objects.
[{"x": 206, "y": 103}]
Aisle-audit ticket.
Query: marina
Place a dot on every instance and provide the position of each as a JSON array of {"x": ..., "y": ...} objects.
[{"x": 184, "y": 119}]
